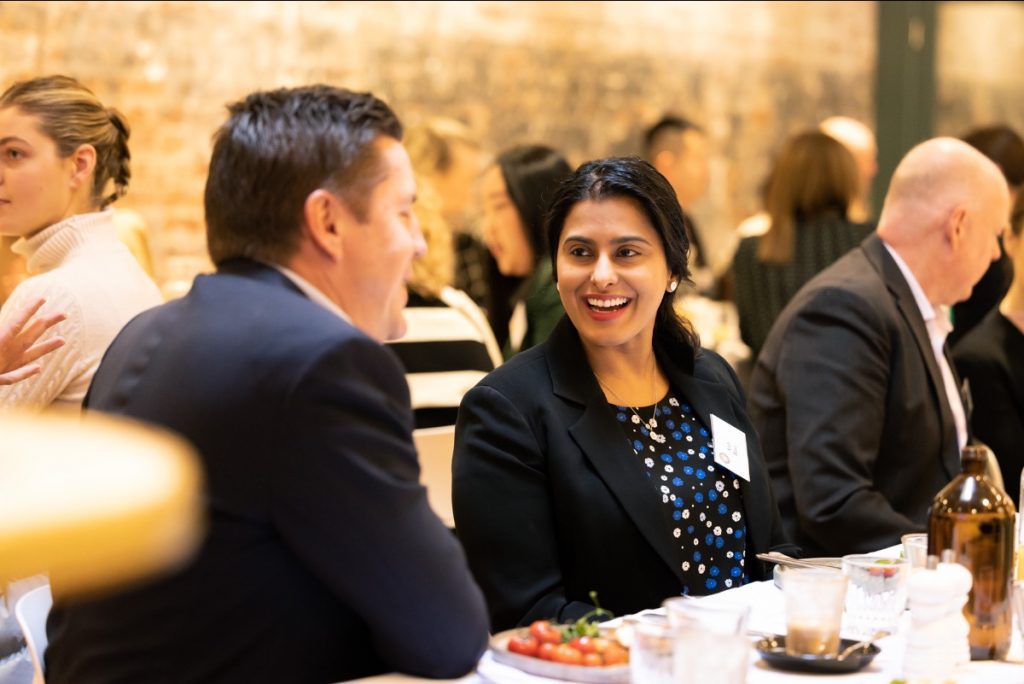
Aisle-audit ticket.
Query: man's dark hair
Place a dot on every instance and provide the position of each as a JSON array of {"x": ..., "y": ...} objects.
[
  {"x": 1004, "y": 146},
  {"x": 275, "y": 149},
  {"x": 666, "y": 135}
]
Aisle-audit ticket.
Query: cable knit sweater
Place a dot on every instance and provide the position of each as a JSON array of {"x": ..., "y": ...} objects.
[{"x": 82, "y": 269}]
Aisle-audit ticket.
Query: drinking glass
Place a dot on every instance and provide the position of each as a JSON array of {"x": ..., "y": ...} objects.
[
  {"x": 814, "y": 599},
  {"x": 702, "y": 657},
  {"x": 651, "y": 653},
  {"x": 707, "y": 615},
  {"x": 1017, "y": 597},
  {"x": 877, "y": 593},
  {"x": 915, "y": 549}
]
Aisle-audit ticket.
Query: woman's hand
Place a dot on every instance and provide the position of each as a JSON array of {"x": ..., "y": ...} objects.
[{"x": 18, "y": 348}]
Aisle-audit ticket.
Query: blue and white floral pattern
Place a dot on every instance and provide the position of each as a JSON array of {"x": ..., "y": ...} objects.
[{"x": 702, "y": 500}]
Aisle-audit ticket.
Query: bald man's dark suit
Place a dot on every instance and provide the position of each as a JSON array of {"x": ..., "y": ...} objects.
[{"x": 851, "y": 408}]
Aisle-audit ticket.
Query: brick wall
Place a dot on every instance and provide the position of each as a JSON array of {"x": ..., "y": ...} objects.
[
  {"x": 978, "y": 63},
  {"x": 584, "y": 77}
]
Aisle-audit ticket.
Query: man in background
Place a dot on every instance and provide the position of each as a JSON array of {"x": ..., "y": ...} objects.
[
  {"x": 678, "y": 149},
  {"x": 853, "y": 394},
  {"x": 323, "y": 561}
]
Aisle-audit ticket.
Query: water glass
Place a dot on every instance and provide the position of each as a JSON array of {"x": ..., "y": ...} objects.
[
  {"x": 1017, "y": 599},
  {"x": 814, "y": 599},
  {"x": 702, "y": 657},
  {"x": 651, "y": 653},
  {"x": 707, "y": 615},
  {"x": 915, "y": 549},
  {"x": 877, "y": 593}
]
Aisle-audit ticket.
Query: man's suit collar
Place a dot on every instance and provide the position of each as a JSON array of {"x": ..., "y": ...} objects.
[
  {"x": 601, "y": 439},
  {"x": 256, "y": 270},
  {"x": 889, "y": 271}
]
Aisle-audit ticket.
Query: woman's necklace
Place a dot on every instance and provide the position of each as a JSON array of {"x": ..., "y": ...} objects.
[{"x": 649, "y": 424}]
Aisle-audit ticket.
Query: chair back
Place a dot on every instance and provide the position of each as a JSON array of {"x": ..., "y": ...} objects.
[
  {"x": 31, "y": 611},
  {"x": 435, "y": 446}
]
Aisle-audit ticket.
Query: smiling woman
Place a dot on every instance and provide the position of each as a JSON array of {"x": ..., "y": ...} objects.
[
  {"x": 593, "y": 462},
  {"x": 63, "y": 160}
]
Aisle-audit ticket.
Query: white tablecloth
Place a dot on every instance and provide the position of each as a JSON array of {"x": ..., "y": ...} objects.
[{"x": 767, "y": 615}]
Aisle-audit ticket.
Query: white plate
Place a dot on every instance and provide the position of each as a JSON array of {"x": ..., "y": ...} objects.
[{"x": 609, "y": 674}]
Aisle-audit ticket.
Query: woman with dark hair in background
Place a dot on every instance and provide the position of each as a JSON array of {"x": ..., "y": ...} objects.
[
  {"x": 1003, "y": 146},
  {"x": 809, "y": 191},
  {"x": 63, "y": 161},
  {"x": 515, "y": 190},
  {"x": 991, "y": 358},
  {"x": 587, "y": 463}
]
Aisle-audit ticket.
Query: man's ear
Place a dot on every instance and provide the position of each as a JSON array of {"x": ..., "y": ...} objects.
[
  {"x": 326, "y": 217},
  {"x": 956, "y": 226},
  {"x": 81, "y": 164}
]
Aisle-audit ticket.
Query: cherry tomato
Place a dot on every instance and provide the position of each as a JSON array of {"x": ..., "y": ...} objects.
[
  {"x": 525, "y": 644},
  {"x": 546, "y": 651},
  {"x": 600, "y": 644},
  {"x": 545, "y": 632},
  {"x": 615, "y": 654},
  {"x": 583, "y": 644},
  {"x": 593, "y": 660},
  {"x": 564, "y": 653}
]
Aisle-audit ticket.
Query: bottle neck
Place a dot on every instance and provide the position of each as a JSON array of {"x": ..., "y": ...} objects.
[{"x": 973, "y": 460}]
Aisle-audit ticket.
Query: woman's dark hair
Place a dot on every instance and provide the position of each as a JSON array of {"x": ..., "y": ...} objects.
[
  {"x": 71, "y": 115},
  {"x": 633, "y": 178},
  {"x": 815, "y": 177},
  {"x": 1002, "y": 145},
  {"x": 531, "y": 173},
  {"x": 1017, "y": 215},
  {"x": 275, "y": 149}
]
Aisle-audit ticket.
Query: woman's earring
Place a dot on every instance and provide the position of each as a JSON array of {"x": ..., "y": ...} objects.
[{"x": 672, "y": 286}]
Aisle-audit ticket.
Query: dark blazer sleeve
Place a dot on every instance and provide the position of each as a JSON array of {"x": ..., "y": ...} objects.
[
  {"x": 499, "y": 482},
  {"x": 833, "y": 370},
  {"x": 349, "y": 504}
]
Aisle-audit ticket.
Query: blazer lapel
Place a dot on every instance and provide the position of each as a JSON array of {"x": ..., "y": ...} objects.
[
  {"x": 891, "y": 274},
  {"x": 603, "y": 443}
]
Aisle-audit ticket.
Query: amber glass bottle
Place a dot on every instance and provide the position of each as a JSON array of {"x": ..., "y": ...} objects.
[{"x": 974, "y": 518}]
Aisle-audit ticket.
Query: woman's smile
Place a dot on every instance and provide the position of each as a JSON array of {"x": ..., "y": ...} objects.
[{"x": 606, "y": 307}]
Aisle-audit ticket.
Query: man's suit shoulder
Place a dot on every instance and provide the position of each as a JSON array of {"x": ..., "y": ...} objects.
[{"x": 850, "y": 284}]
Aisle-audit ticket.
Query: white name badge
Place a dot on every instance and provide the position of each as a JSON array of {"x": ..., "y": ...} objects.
[{"x": 730, "y": 447}]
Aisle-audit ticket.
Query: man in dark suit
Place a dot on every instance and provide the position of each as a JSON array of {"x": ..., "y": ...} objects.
[
  {"x": 323, "y": 561},
  {"x": 853, "y": 395}
]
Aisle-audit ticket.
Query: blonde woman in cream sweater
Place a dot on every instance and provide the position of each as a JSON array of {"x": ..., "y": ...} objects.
[{"x": 63, "y": 160}]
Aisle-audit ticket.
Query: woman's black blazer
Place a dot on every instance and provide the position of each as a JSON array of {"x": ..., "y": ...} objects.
[{"x": 550, "y": 501}]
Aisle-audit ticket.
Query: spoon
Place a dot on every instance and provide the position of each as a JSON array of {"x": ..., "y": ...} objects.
[
  {"x": 864, "y": 643},
  {"x": 783, "y": 559}
]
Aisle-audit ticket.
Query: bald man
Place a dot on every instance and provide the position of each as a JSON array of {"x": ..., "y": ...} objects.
[
  {"x": 860, "y": 141},
  {"x": 855, "y": 401}
]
